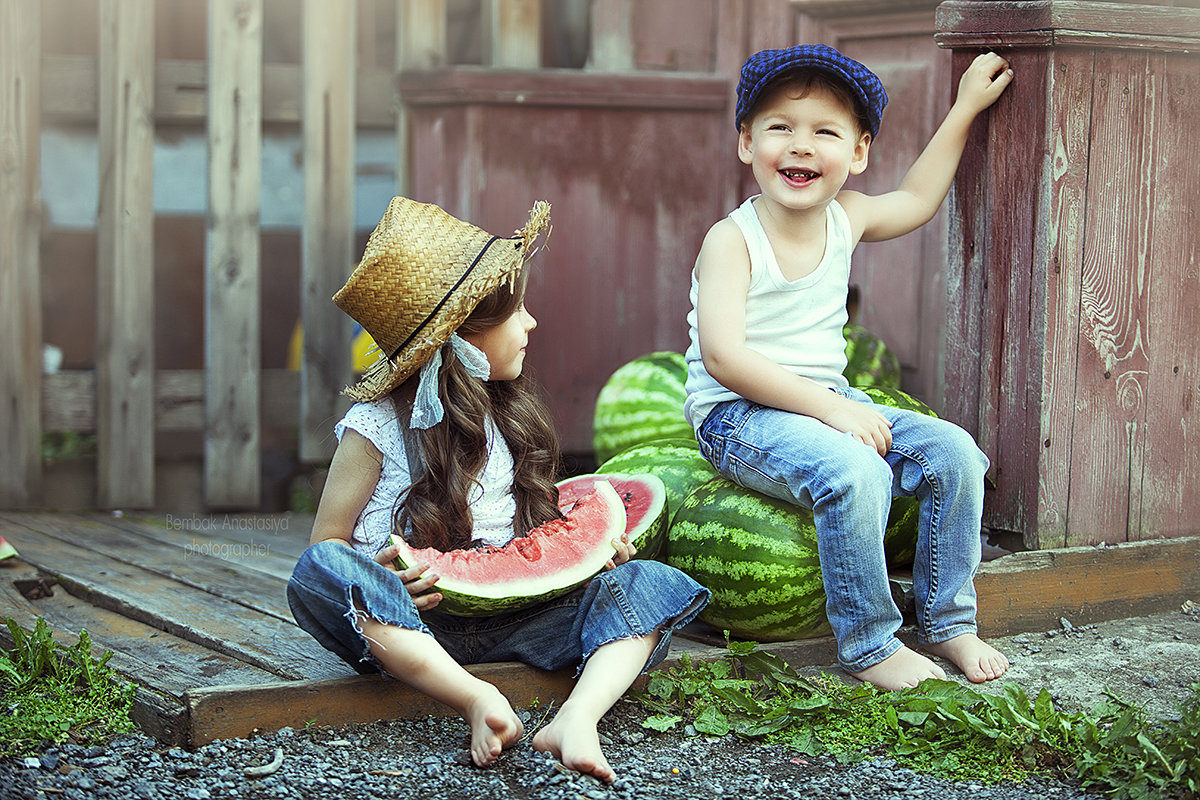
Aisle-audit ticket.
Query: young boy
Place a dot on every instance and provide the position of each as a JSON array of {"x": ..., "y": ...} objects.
[{"x": 766, "y": 394}]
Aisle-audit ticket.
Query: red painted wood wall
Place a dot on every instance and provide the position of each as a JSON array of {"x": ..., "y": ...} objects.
[{"x": 1074, "y": 287}]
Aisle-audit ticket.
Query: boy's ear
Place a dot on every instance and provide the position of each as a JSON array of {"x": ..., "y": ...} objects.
[
  {"x": 745, "y": 144},
  {"x": 858, "y": 161}
]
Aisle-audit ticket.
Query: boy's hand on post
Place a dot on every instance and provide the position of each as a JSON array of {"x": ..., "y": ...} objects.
[
  {"x": 983, "y": 82},
  {"x": 862, "y": 422}
]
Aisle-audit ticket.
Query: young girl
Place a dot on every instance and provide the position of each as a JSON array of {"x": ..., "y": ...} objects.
[{"x": 449, "y": 446}]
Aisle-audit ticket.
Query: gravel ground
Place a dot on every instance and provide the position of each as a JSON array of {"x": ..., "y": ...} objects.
[{"x": 428, "y": 758}]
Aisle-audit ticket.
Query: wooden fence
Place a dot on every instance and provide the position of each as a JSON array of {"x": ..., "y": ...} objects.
[{"x": 672, "y": 62}]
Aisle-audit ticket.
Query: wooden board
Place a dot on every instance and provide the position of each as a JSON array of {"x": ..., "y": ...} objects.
[{"x": 192, "y": 608}]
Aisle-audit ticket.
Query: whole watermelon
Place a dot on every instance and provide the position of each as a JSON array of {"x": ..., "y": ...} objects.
[
  {"x": 676, "y": 462},
  {"x": 758, "y": 557},
  {"x": 900, "y": 539},
  {"x": 869, "y": 362},
  {"x": 640, "y": 402}
]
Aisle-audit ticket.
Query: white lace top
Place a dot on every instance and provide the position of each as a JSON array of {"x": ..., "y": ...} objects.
[{"x": 492, "y": 504}]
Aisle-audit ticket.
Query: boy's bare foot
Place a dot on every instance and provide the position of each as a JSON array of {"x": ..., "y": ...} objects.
[
  {"x": 902, "y": 669},
  {"x": 494, "y": 726},
  {"x": 978, "y": 660},
  {"x": 576, "y": 744}
]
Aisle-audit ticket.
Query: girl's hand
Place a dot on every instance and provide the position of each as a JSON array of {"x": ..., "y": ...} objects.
[
  {"x": 625, "y": 551},
  {"x": 415, "y": 580},
  {"x": 983, "y": 82},
  {"x": 862, "y": 422}
]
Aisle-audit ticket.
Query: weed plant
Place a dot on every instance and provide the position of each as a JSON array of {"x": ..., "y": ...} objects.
[
  {"x": 940, "y": 727},
  {"x": 51, "y": 693}
]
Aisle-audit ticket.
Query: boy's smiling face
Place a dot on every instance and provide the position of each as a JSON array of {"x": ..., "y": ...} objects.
[{"x": 803, "y": 147}]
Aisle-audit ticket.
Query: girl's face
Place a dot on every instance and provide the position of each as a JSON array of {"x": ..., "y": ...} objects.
[{"x": 504, "y": 344}]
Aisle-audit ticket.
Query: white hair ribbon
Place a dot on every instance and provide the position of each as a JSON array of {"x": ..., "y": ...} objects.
[{"x": 427, "y": 408}]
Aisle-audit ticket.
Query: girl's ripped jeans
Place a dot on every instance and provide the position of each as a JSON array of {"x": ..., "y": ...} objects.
[
  {"x": 850, "y": 488},
  {"x": 637, "y": 598}
]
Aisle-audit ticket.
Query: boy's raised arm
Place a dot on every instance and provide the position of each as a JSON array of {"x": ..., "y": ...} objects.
[{"x": 928, "y": 180}]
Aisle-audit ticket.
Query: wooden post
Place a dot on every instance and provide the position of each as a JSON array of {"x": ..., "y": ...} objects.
[
  {"x": 20, "y": 288},
  {"x": 420, "y": 44},
  {"x": 125, "y": 276},
  {"x": 1073, "y": 269},
  {"x": 328, "y": 238},
  {"x": 612, "y": 36},
  {"x": 231, "y": 336},
  {"x": 517, "y": 34}
]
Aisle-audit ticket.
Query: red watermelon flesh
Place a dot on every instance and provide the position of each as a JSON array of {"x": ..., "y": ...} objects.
[
  {"x": 549, "y": 561},
  {"x": 6, "y": 549},
  {"x": 645, "y": 499}
]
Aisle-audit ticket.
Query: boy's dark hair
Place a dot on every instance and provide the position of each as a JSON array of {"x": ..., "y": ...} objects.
[{"x": 802, "y": 82}]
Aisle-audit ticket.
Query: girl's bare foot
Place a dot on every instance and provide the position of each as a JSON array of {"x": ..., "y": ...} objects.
[
  {"x": 576, "y": 744},
  {"x": 978, "y": 660},
  {"x": 901, "y": 670},
  {"x": 494, "y": 725}
]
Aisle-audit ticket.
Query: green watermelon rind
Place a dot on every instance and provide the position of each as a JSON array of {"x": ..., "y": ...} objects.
[
  {"x": 470, "y": 604},
  {"x": 641, "y": 401},
  {"x": 649, "y": 534},
  {"x": 758, "y": 557},
  {"x": 869, "y": 361},
  {"x": 676, "y": 462}
]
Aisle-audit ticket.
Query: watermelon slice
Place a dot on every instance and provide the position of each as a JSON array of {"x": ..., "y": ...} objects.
[
  {"x": 645, "y": 499},
  {"x": 6, "y": 549},
  {"x": 549, "y": 561}
]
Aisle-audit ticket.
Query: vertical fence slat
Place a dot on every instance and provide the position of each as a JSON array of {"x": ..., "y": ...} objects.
[
  {"x": 20, "y": 294},
  {"x": 612, "y": 36},
  {"x": 125, "y": 276},
  {"x": 232, "y": 359},
  {"x": 517, "y": 34},
  {"x": 420, "y": 44},
  {"x": 328, "y": 239}
]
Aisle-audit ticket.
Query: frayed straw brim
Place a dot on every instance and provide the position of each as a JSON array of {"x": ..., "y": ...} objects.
[{"x": 422, "y": 273}]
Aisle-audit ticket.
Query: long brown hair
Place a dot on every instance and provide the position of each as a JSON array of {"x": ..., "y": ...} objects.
[{"x": 436, "y": 509}]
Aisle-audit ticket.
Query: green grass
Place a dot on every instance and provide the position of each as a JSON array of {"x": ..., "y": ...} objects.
[
  {"x": 51, "y": 693},
  {"x": 941, "y": 727}
]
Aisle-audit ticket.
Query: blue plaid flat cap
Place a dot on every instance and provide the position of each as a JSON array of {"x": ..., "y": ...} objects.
[{"x": 766, "y": 65}]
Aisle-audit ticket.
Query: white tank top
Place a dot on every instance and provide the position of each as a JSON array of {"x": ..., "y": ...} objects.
[{"x": 797, "y": 324}]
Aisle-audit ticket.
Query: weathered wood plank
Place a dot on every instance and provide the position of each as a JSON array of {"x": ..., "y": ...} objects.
[
  {"x": 1109, "y": 433},
  {"x": 258, "y": 639},
  {"x": 1146, "y": 22},
  {"x": 611, "y": 32},
  {"x": 269, "y": 544},
  {"x": 195, "y": 564},
  {"x": 517, "y": 33},
  {"x": 68, "y": 399},
  {"x": 1029, "y": 591},
  {"x": 328, "y": 236},
  {"x": 231, "y": 321},
  {"x": 1070, "y": 132},
  {"x": 1171, "y": 474},
  {"x": 420, "y": 44},
  {"x": 125, "y": 275},
  {"x": 69, "y": 92},
  {"x": 20, "y": 229},
  {"x": 162, "y": 666}
]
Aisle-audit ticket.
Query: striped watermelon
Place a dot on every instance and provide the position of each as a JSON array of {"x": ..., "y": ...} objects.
[
  {"x": 869, "y": 362},
  {"x": 900, "y": 539},
  {"x": 640, "y": 402},
  {"x": 758, "y": 557},
  {"x": 645, "y": 499},
  {"x": 676, "y": 462},
  {"x": 549, "y": 561}
]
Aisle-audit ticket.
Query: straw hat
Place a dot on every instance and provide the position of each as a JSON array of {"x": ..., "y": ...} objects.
[{"x": 422, "y": 273}]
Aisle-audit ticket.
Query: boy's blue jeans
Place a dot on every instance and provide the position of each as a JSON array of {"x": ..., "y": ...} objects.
[
  {"x": 850, "y": 489},
  {"x": 635, "y": 599}
]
